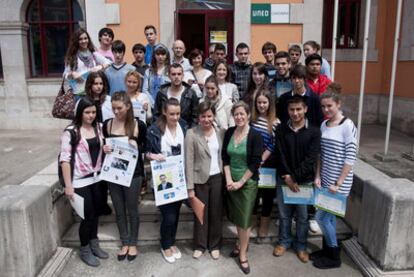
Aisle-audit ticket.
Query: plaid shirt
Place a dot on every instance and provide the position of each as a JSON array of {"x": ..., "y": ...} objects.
[{"x": 240, "y": 75}]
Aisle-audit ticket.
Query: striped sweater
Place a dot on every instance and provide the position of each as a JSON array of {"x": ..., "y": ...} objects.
[
  {"x": 260, "y": 125},
  {"x": 338, "y": 147}
]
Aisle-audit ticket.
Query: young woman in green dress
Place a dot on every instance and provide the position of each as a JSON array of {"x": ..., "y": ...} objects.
[{"x": 241, "y": 154}]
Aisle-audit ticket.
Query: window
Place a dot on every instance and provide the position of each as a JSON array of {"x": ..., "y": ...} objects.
[
  {"x": 204, "y": 5},
  {"x": 51, "y": 24},
  {"x": 348, "y": 23}
]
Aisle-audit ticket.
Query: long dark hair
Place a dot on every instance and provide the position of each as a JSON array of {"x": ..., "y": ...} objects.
[
  {"x": 162, "y": 119},
  {"x": 71, "y": 57},
  {"x": 81, "y": 105},
  {"x": 129, "y": 124},
  {"x": 89, "y": 83},
  {"x": 159, "y": 49},
  {"x": 261, "y": 68}
]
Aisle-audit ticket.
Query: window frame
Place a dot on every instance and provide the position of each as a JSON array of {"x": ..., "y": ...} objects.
[
  {"x": 42, "y": 25},
  {"x": 328, "y": 17}
]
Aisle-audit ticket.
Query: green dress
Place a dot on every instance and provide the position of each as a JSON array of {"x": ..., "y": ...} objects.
[{"x": 240, "y": 203}]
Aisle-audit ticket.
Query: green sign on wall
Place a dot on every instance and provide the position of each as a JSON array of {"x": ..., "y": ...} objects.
[
  {"x": 270, "y": 14},
  {"x": 260, "y": 14}
]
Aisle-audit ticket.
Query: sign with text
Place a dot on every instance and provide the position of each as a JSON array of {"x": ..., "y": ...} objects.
[{"x": 270, "y": 13}]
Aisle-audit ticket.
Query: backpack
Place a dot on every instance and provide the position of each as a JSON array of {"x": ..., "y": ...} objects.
[{"x": 73, "y": 143}]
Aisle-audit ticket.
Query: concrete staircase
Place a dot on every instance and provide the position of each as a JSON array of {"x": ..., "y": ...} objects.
[{"x": 150, "y": 218}]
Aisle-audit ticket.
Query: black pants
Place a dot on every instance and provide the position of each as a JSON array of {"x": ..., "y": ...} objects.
[
  {"x": 267, "y": 196},
  {"x": 169, "y": 223},
  {"x": 208, "y": 235},
  {"x": 93, "y": 203},
  {"x": 125, "y": 200}
]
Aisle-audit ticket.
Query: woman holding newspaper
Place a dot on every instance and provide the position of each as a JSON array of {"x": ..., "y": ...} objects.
[
  {"x": 334, "y": 171},
  {"x": 125, "y": 199},
  {"x": 81, "y": 59},
  {"x": 81, "y": 161},
  {"x": 204, "y": 179},
  {"x": 166, "y": 138}
]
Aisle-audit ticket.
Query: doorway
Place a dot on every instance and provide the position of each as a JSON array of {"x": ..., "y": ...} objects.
[{"x": 200, "y": 28}]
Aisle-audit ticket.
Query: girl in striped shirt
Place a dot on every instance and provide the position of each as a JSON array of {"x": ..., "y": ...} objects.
[
  {"x": 334, "y": 170},
  {"x": 265, "y": 122}
]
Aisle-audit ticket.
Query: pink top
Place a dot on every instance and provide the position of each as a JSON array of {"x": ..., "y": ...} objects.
[
  {"x": 83, "y": 161},
  {"x": 107, "y": 54}
]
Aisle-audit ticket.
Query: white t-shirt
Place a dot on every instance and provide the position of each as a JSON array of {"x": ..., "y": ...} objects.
[
  {"x": 213, "y": 146},
  {"x": 178, "y": 97}
]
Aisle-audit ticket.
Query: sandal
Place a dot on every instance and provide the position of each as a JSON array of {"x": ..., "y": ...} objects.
[
  {"x": 235, "y": 253},
  {"x": 246, "y": 270}
]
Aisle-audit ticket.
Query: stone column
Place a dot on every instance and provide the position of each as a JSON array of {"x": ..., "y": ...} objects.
[
  {"x": 13, "y": 45},
  {"x": 242, "y": 25}
]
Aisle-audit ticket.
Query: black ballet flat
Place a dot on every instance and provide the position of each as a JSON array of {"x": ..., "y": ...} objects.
[
  {"x": 131, "y": 257},
  {"x": 122, "y": 257}
]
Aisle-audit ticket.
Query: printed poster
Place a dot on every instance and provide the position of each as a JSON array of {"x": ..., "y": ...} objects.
[
  {"x": 168, "y": 178},
  {"x": 119, "y": 166}
]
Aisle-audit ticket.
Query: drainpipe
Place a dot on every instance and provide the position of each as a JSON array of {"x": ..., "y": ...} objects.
[
  {"x": 364, "y": 66},
  {"x": 334, "y": 38},
  {"x": 394, "y": 70}
]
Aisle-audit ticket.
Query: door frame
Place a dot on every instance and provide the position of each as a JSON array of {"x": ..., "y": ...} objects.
[{"x": 209, "y": 14}]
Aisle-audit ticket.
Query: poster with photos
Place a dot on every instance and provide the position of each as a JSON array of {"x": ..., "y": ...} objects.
[
  {"x": 168, "y": 178},
  {"x": 119, "y": 166}
]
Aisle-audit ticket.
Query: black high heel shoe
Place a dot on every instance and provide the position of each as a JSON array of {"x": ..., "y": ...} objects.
[
  {"x": 122, "y": 257},
  {"x": 132, "y": 257},
  {"x": 235, "y": 252}
]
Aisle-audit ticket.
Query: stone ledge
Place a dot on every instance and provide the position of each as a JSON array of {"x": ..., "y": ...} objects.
[
  {"x": 56, "y": 264},
  {"x": 366, "y": 265}
]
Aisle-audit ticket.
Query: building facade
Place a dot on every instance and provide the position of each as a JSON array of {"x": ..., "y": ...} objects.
[{"x": 34, "y": 35}]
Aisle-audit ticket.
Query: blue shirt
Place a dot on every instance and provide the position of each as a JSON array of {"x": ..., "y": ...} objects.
[
  {"x": 116, "y": 77},
  {"x": 148, "y": 53}
]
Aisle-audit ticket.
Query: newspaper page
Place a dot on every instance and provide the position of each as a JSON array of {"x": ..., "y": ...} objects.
[
  {"x": 119, "y": 166},
  {"x": 168, "y": 179}
]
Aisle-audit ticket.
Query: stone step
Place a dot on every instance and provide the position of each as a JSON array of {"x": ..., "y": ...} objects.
[
  {"x": 149, "y": 233},
  {"x": 148, "y": 212}
]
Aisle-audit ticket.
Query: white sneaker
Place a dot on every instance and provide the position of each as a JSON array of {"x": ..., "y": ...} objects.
[
  {"x": 215, "y": 254},
  {"x": 170, "y": 259},
  {"x": 197, "y": 254},
  {"x": 314, "y": 226},
  {"x": 176, "y": 252}
]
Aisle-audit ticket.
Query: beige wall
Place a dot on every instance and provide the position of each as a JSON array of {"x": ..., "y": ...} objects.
[{"x": 135, "y": 15}]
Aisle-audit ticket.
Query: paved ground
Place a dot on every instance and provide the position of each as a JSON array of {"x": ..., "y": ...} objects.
[
  {"x": 23, "y": 153},
  {"x": 150, "y": 263},
  {"x": 373, "y": 141}
]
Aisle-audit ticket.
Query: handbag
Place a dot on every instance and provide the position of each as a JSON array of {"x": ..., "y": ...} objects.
[{"x": 64, "y": 105}]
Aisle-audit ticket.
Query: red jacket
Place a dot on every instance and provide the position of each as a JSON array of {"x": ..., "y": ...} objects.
[{"x": 320, "y": 85}]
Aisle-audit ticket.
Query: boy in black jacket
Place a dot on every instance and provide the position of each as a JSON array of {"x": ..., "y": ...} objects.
[
  {"x": 297, "y": 149},
  {"x": 313, "y": 112}
]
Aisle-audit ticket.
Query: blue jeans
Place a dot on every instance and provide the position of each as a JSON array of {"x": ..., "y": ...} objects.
[
  {"x": 327, "y": 222},
  {"x": 286, "y": 212},
  {"x": 169, "y": 223}
]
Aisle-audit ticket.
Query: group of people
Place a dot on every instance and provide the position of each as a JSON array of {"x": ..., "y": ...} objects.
[{"x": 226, "y": 121}]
